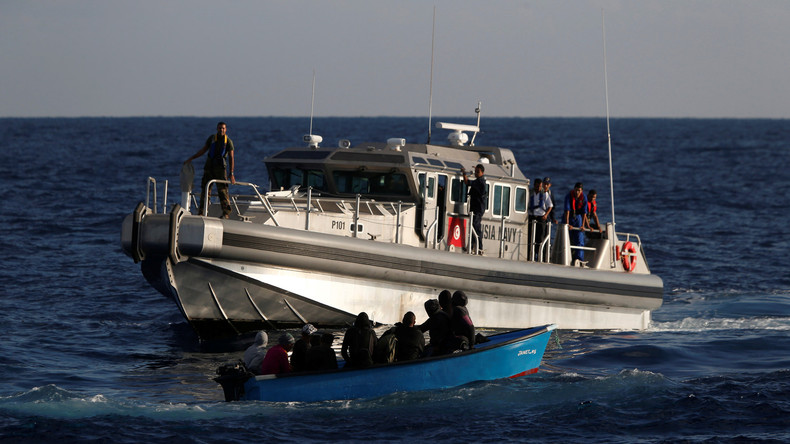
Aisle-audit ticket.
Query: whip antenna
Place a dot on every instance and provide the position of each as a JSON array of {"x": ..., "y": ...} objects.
[
  {"x": 608, "y": 132},
  {"x": 312, "y": 104},
  {"x": 430, "y": 87}
]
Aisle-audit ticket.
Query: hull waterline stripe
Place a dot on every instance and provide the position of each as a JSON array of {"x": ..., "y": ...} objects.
[{"x": 525, "y": 373}]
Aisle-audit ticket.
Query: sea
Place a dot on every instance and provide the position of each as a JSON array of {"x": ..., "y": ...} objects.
[{"x": 89, "y": 352}]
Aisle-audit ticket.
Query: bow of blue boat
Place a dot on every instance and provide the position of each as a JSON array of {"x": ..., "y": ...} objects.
[{"x": 506, "y": 355}]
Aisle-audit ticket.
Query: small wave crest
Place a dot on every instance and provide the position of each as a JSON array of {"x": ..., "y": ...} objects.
[
  {"x": 52, "y": 401},
  {"x": 712, "y": 324}
]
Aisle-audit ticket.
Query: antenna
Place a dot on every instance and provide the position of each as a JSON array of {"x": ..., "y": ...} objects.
[
  {"x": 477, "y": 110},
  {"x": 608, "y": 132},
  {"x": 312, "y": 140},
  {"x": 430, "y": 87},
  {"x": 312, "y": 104}
]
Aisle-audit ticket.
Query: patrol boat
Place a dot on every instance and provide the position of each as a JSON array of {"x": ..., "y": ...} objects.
[{"x": 381, "y": 227}]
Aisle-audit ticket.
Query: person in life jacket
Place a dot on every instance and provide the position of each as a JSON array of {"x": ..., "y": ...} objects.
[
  {"x": 220, "y": 151},
  {"x": 593, "y": 224},
  {"x": 576, "y": 216}
]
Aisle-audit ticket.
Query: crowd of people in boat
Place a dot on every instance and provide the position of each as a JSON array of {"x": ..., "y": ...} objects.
[{"x": 449, "y": 327}]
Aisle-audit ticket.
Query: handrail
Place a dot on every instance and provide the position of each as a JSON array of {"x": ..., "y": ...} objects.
[
  {"x": 148, "y": 192},
  {"x": 356, "y": 215},
  {"x": 264, "y": 201},
  {"x": 149, "y": 181},
  {"x": 539, "y": 247},
  {"x": 471, "y": 234},
  {"x": 428, "y": 234},
  {"x": 397, "y": 222},
  {"x": 433, "y": 227}
]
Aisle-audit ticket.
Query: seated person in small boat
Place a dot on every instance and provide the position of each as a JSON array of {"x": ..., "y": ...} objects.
[
  {"x": 253, "y": 356},
  {"x": 411, "y": 341},
  {"x": 276, "y": 360},
  {"x": 438, "y": 328},
  {"x": 358, "y": 343},
  {"x": 461, "y": 324},
  {"x": 299, "y": 355},
  {"x": 320, "y": 355}
]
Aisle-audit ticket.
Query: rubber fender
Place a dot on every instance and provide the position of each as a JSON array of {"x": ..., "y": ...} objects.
[
  {"x": 172, "y": 240},
  {"x": 139, "y": 213}
]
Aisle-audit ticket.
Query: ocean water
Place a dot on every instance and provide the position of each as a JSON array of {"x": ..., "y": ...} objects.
[{"x": 91, "y": 353}]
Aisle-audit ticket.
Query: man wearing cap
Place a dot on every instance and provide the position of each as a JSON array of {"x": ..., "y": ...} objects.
[
  {"x": 547, "y": 189},
  {"x": 576, "y": 216},
  {"x": 299, "y": 355},
  {"x": 276, "y": 359}
]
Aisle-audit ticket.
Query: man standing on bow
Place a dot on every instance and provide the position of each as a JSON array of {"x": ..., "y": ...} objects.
[{"x": 220, "y": 152}]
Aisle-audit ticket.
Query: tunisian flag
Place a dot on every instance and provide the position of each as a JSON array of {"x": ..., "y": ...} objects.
[{"x": 457, "y": 231}]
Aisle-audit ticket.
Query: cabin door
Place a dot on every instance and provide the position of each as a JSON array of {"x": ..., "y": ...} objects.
[{"x": 427, "y": 204}]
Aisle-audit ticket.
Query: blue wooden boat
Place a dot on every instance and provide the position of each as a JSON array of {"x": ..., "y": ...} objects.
[{"x": 507, "y": 355}]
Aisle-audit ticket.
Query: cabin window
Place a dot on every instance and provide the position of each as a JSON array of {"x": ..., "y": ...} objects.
[
  {"x": 521, "y": 200},
  {"x": 431, "y": 186},
  {"x": 371, "y": 183},
  {"x": 488, "y": 195},
  {"x": 501, "y": 200},
  {"x": 458, "y": 191},
  {"x": 285, "y": 178},
  {"x": 436, "y": 162}
]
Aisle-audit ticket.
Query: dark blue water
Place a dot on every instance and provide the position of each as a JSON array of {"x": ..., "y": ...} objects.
[{"x": 90, "y": 352}]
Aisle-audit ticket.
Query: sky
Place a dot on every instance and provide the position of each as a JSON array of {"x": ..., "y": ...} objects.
[{"x": 664, "y": 58}]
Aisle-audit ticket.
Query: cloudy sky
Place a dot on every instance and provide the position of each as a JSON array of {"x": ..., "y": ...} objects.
[{"x": 371, "y": 58}]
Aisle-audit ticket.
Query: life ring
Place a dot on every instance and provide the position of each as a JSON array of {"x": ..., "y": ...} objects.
[{"x": 629, "y": 257}]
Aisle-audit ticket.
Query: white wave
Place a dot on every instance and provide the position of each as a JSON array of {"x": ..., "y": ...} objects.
[
  {"x": 54, "y": 402},
  {"x": 713, "y": 324}
]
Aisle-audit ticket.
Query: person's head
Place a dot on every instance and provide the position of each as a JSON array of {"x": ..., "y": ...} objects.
[
  {"x": 315, "y": 340},
  {"x": 362, "y": 321},
  {"x": 592, "y": 195},
  {"x": 537, "y": 184},
  {"x": 327, "y": 339},
  {"x": 261, "y": 339},
  {"x": 459, "y": 299},
  {"x": 479, "y": 170},
  {"x": 445, "y": 298},
  {"x": 308, "y": 330},
  {"x": 409, "y": 319},
  {"x": 546, "y": 183},
  {"x": 578, "y": 189},
  {"x": 431, "y": 306},
  {"x": 286, "y": 341},
  {"x": 222, "y": 128}
]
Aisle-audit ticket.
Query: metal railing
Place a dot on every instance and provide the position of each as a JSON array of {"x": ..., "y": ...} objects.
[
  {"x": 264, "y": 201},
  {"x": 149, "y": 182}
]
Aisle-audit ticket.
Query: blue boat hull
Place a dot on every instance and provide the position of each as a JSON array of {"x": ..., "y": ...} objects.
[{"x": 507, "y": 355}]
